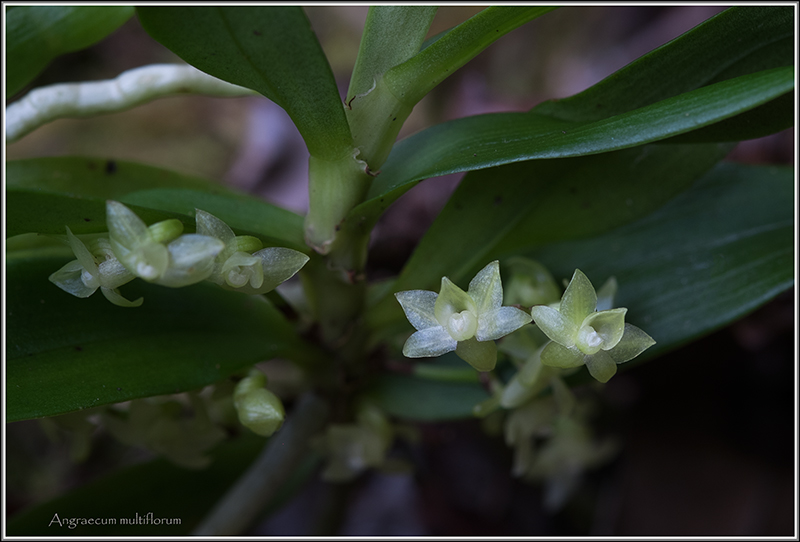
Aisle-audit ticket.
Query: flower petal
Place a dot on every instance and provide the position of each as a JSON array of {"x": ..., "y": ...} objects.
[
  {"x": 208, "y": 224},
  {"x": 634, "y": 341},
  {"x": 429, "y": 343},
  {"x": 113, "y": 274},
  {"x": 279, "y": 264},
  {"x": 243, "y": 269},
  {"x": 486, "y": 289},
  {"x": 82, "y": 253},
  {"x": 419, "y": 307},
  {"x": 579, "y": 300},
  {"x": 609, "y": 325},
  {"x": 556, "y": 355},
  {"x": 500, "y": 322},
  {"x": 451, "y": 300},
  {"x": 601, "y": 366},
  {"x": 68, "y": 278},
  {"x": 191, "y": 260},
  {"x": 481, "y": 355},
  {"x": 554, "y": 324},
  {"x": 606, "y": 294},
  {"x": 125, "y": 227},
  {"x": 116, "y": 298}
]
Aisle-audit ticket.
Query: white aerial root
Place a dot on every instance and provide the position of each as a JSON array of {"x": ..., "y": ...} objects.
[{"x": 131, "y": 88}]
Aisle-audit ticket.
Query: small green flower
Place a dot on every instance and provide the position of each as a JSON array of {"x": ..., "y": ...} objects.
[
  {"x": 235, "y": 268},
  {"x": 582, "y": 335},
  {"x": 82, "y": 277},
  {"x": 183, "y": 260},
  {"x": 467, "y": 322}
]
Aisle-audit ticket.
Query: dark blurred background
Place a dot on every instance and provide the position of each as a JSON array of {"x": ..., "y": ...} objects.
[{"x": 708, "y": 430}]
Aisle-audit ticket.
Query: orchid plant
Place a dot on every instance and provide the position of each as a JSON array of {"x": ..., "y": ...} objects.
[{"x": 624, "y": 181}]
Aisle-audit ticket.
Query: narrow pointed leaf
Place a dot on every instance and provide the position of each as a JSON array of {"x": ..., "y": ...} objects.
[
  {"x": 404, "y": 27},
  {"x": 500, "y": 138},
  {"x": 414, "y": 78},
  {"x": 647, "y": 100}
]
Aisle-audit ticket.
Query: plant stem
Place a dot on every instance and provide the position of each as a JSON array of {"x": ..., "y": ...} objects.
[{"x": 284, "y": 452}]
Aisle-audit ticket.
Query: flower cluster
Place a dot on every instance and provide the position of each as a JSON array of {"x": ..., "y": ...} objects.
[
  {"x": 162, "y": 254},
  {"x": 582, "y": 328}
]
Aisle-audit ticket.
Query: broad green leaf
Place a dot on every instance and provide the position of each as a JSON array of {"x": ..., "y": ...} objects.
[
  {"x": 66, "y": 354},
  {"x": 517, "y": 206},
  {"x": 168, "y": 491},
  {"x": 270, "y": 49},
  {"x": 392, "y": 35},
  {"x": 46, "y": 194},
  {"x": 706, "y": 258},
  {"x": 35, "y": 35}
]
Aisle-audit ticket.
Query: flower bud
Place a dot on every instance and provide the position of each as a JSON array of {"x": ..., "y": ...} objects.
[{"x": 259, "y": 409}]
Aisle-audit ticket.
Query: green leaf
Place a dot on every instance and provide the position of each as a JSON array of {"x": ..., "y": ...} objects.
[
  {"x": 46, "y": 194},
  {"x": 35, "y": 35},
  {"x": 739, "y": 41},
  {"x": 270, "y": 49},
  {"x": 624, "y": 109},
  {"x": 66, "y": 354},
  {"x": 418, "y": 399},
  {"x": 392, "y": 35},
  {"x": 515, "y": 207},
  {"x": 499, "y": 138},
  {"x": 413, "y": 79},
  {"x": 706, "y": 258},
  {"x": 168, "y": 491}
]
